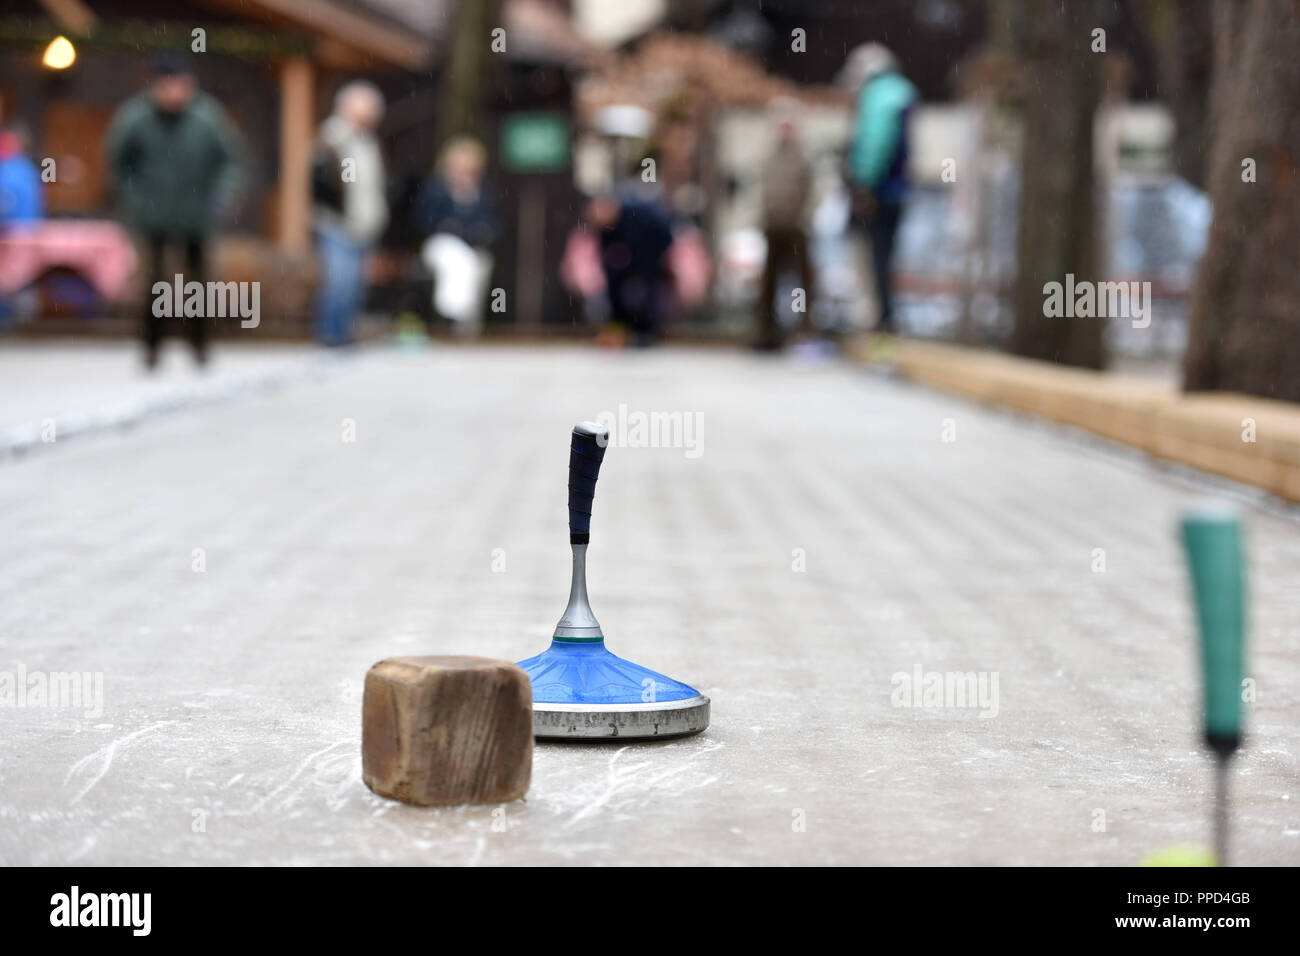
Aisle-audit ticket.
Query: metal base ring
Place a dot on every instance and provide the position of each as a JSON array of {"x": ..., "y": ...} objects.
[{"x": 673, "y": 718}]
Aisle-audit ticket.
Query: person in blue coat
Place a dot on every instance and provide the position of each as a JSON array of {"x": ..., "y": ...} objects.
[{"x": 22, "y": 197}]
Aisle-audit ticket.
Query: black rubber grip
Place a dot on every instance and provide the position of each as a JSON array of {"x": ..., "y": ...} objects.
[{"x": 586, "y": 452}]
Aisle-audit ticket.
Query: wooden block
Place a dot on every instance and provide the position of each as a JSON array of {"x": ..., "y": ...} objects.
[{"x": 437, "y": 731}]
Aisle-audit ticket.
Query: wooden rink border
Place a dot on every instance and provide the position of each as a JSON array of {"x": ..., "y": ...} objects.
[{"x": 1206, "y": 430}]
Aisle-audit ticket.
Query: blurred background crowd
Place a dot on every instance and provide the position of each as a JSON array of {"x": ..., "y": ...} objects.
[{"x": 780, "y": 174}]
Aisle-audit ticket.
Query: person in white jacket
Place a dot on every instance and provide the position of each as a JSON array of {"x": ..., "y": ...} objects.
[{"x": 351, "y": 206}]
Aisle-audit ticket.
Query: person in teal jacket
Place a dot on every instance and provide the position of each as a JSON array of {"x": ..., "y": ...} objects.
[
  {"x": 175, "y": 161},
  {"x": 876, "y": 166}
]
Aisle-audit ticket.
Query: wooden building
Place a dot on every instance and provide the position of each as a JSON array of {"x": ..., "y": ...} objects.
[{"x": 275, "y": 65}]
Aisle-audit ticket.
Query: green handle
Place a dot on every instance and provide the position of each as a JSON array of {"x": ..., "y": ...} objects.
[{"x": 1213, "y": 540}]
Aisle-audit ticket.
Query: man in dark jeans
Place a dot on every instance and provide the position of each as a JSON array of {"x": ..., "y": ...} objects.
[
  {"x": 876, "y": 169},
  {"x": 882, "y": 228},
  {"x": 175, "y": 163},
  {"x": 156, "y": 246}
]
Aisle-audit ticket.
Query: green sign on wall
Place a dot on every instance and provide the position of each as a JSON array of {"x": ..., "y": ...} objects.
[{"x": 535, "y": 142}]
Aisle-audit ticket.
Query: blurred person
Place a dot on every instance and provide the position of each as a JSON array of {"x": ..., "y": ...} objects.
[
  {"x": 175, "y": 162},
  {"x": 22, "y": 195},
  {"x": 634, "y": 235},
  {"x": 787, "y": 184},
  {"x": 351, "y": 206},
  {"x": 876, "y": 168},
  {"x": 22, "y": 203},
  {"x": 456, "y": 213}
]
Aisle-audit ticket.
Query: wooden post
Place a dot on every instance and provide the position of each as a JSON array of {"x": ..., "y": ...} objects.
[
  {"x": 297, "y": 112},
  {"x": 472, "y": 68},
  {"x": 530, "y": 268}
]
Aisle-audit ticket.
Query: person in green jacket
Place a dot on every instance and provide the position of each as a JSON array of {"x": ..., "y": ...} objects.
[
  {"x": 876, "y": 167},
  {"x": 175, "y": 162}
]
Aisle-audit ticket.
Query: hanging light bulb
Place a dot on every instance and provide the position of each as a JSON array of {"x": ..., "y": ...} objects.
[{"x": 60, "y": 54}]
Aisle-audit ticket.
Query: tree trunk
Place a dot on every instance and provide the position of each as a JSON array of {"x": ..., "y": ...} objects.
[
  {"x": 1244, "y": 332},
  {"x": 1182, "y": 34},
  {"x": 1057, "y": 228},
  {"x": 471, "y": 68}
]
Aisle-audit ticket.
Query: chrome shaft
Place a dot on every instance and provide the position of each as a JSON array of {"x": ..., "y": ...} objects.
[{"x": 578, "y": 621}]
